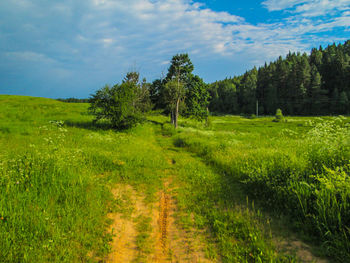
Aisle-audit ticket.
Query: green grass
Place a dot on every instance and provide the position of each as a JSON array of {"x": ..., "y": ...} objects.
[
  {"x": 299, "y": 168},
  {"x": 211, "y": 202},
  {"x": 143, "y": 242},
  {"x": 57, "y": 170}
]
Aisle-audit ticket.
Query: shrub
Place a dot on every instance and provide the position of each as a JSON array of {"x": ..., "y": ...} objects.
[
  {"x": 117, "y": 105},
  {"x": 279, "y": 116}
]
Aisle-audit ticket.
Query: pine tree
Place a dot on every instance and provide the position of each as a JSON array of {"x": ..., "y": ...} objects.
[
  {"x": 344, "y": 105},
  {"x": 315, "y": 94},
  {"x": 197, "y": 98}
]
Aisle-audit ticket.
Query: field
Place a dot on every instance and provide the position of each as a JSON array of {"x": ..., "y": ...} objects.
[{"x": 236, "y": 190}]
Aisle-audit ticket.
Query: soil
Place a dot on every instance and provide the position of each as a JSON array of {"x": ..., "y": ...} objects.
[
  {"x": 123, "y": 245},
  {"x": 300, "y": 249},
  {"x": 170, "y": 242}
]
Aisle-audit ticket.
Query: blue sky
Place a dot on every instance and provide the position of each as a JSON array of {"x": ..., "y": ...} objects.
[{"x": 71, "y": 48}]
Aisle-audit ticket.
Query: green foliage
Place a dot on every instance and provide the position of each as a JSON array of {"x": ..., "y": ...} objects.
[
  {"x": 181, "y": 91},
  {"x": 156, "y": 91},
  {"x": 279, "y": 116},
  {"x": 174, "y": 93},
  {"x": 124, "y": 104},
  {"x": 224, "y": 96},
  {"x": 117, "y": 105},
  {"x": 197, "y": 99},
  {"x": 180, "y": 67},
  {"x": 301, "y": 84}
]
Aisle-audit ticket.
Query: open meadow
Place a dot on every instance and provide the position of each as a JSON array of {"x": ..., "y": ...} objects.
[{"x": 234, "y": 190}]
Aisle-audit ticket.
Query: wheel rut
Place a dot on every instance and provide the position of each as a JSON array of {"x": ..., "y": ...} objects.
[
  {"x": 163, "y": 220},
  {"x": 169, "y": 241}
]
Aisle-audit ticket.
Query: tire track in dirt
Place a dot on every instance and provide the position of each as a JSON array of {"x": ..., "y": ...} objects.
[
  {"x": 173, "y": 242},
  {"x": 163, "y": 219},
  {"x": 168, "y": 240},
  {"x": 160, "y": 228},
  {"x": 124, "y": 248}
]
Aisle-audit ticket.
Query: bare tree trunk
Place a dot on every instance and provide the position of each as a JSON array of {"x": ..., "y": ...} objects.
[
  {"x": 207, "y": 118},
  {"x": 177, "y": 112},
  {"x": 172, "y": 117}
]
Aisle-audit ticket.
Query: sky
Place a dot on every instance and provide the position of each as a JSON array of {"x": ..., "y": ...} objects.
[{"x": 71, "y": 48}]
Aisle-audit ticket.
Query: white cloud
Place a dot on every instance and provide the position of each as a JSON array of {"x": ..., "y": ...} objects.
[
  {"x": 164, "y": 27},
  {"x": 29, "y": 57},
  {"x": 102, "y": 38},
  {"x": 308, "y": 7},
  {"x": 277, "y": 5}
]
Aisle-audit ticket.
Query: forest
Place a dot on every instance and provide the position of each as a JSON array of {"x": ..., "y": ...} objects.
[{"x": 299, "y": 84}]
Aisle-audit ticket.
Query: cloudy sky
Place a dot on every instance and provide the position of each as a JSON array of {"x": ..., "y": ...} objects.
[{"x": 71, "y": 48}]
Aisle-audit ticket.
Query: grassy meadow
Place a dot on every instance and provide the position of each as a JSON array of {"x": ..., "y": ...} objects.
[
  {"x": 297, "y": 169},
  {"x": 56, "y": 171},
  {"x": 231, "y": 180}
]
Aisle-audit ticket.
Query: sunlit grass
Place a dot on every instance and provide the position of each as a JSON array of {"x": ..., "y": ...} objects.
[
  {"x": 57, "y": 170},
  {"x": 299, "y": 168}
]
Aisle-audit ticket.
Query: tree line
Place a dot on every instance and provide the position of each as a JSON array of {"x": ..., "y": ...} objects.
[
  {"x": 299, "y": 84},
  {"x": 73, "y": 100}
]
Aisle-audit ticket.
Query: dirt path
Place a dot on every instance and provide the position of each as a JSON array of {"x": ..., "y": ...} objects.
[
  {"x": 124, "y": 247},
  {"x": 167, "y": 240},
  {"x": 175, "y": 243},
  {"x": 293, "y": 245},
  {"x": 161, "y": 228},
  {"x": 152, "y": 231}
]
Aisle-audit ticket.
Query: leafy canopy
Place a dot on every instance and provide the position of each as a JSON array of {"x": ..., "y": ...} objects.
[{"x": 118, "y": 105}]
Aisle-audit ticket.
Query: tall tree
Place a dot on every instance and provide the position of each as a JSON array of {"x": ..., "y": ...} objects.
[
  {"x": 344, "y": 105},
  {"x": 142, "y": 99},
  {"x": 181, "y": 67},
  {"x": 144, "y": 102},
  {"x": 132, "y": 77},
  {"x": 181, "y": 83},
  {"x": 174, "y": 93},
  {"x": 156, "y": 91},
  {"x": 197, "y": 98},
  {"x": 247, "y": 91},
  {"x": 316, "y": 95}
]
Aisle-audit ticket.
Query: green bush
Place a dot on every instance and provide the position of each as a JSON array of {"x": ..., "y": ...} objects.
[
  {"x": 117, "y": 105},
  {"x": 279, "y": 116}
]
